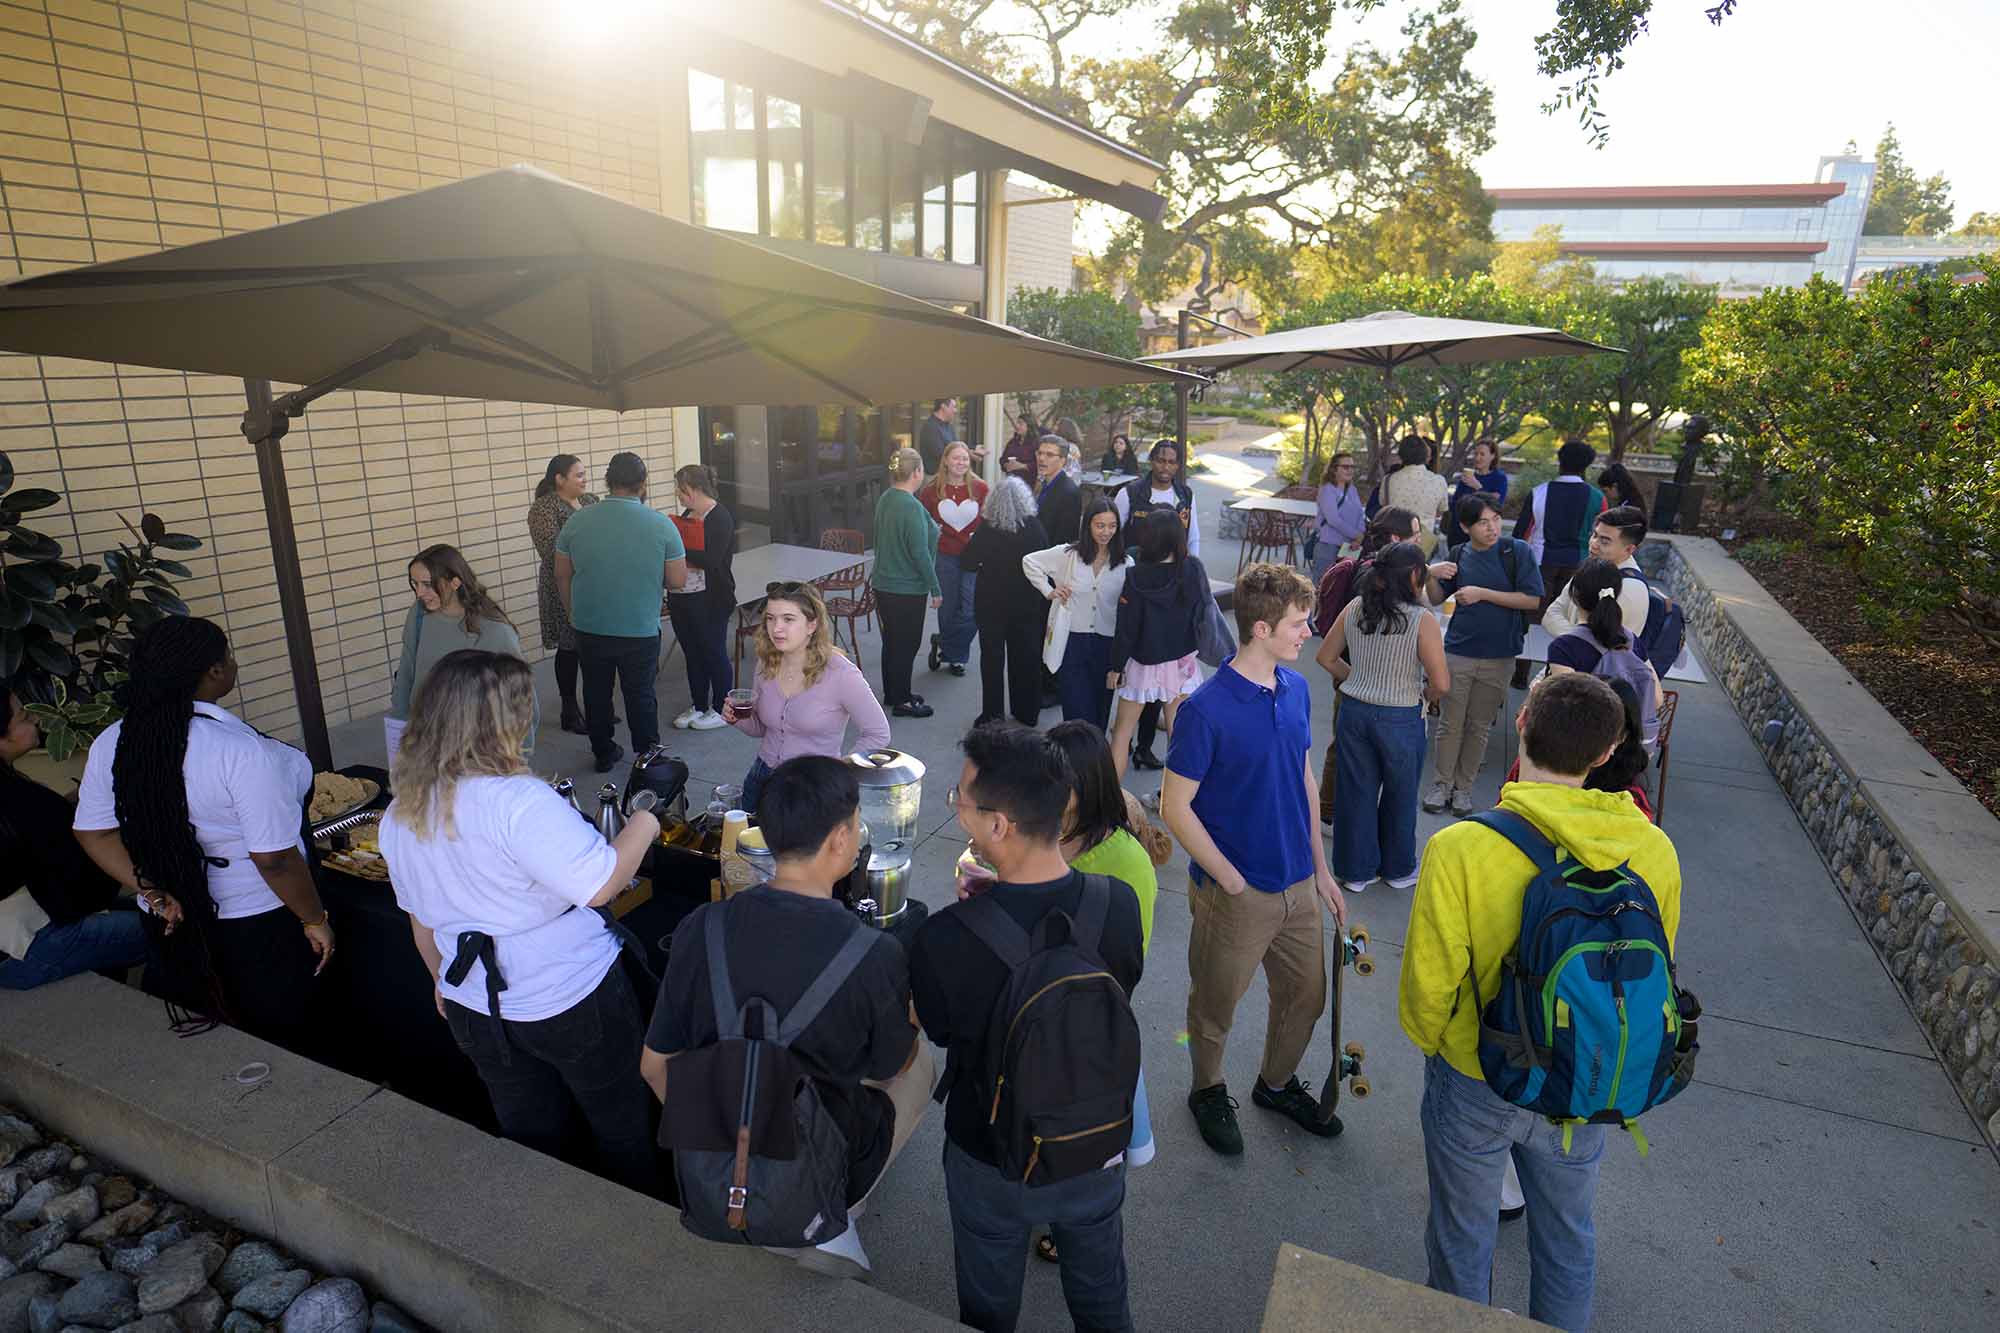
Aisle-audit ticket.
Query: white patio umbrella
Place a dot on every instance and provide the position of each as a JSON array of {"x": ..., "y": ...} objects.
[
  {"x": 517, "y": 286},
  {"x": 1387, "y": 340}
]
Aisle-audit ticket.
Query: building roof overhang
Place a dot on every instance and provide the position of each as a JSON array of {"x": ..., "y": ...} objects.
[
  {"x": 1673, "y": 196},
  {"x": 844, "y": 61},
  {"x": 1782, "y": 250}
]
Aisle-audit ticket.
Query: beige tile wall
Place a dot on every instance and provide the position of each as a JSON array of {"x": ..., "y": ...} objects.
[{"x": 127, "y": 127}]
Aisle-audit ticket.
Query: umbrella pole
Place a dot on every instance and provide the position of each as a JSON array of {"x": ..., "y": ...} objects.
[
  {"x": 1181, "y": 398},
  {"x": 266, "y": 429}
]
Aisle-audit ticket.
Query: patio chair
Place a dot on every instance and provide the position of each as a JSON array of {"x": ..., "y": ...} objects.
[
  {"x": 848, "y": 594},
  {"x": 1669, "y": 702},
  {"x": 1266, "y": 534},
  {"x": 748, "y": 617}
]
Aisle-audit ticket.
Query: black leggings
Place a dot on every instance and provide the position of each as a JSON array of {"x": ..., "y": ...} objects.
[
  {"x": 566, "y": 676},
  {"x": 902, "y": 631}
]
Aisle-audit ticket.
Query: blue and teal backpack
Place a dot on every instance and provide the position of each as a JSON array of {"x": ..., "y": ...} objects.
[{"x": 1589, "y": 1026}]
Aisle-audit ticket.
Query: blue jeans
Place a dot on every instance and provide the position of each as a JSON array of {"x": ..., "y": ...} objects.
[
  {"x": 632, "y": 662},
  {"x": 1081, "y": 680},
  {"x": 753, "y": 785},
  {"x": 990, "y": 1220},
  {"x": 955, "y": 623},
  {"x": 102, "y": 941},
  {"x": 1379, "y": 757},
  {"x": 703, "y": 631},
  {"x": 1468, "y": 1134}
]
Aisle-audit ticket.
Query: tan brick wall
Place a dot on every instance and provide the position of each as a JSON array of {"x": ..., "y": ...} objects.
[{"x": 128, "y": 127}]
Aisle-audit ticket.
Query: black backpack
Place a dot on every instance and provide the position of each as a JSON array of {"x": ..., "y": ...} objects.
[
  {"x": 759, "y": 1159},
  {"x": 1062, "y": 1047}
]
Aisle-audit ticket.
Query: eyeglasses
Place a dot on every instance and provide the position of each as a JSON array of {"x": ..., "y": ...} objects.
[{"x": 959, "y": 799}]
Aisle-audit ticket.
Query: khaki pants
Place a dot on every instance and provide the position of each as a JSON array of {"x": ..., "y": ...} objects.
[
  {"x": 1478, "y": 692},
  {"x": 1232, "y": 937},
  {"x": 910, "y": 1093},
  {"x": 1328, "y": 769}
]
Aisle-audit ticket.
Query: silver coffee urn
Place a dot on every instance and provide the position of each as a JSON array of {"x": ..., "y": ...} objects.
[{"x": 892, "y": 791}]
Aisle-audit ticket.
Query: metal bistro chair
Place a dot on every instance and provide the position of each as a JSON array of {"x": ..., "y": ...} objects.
[
  {"x": 1266, "y": 534},
  {"x": 748, "y": 617},
  {"x": 1669, "y": 704},
  {"x": 848, "y": 594}
]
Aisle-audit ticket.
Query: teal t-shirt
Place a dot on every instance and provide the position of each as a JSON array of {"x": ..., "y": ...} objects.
[{"x": 620, "y": 549}]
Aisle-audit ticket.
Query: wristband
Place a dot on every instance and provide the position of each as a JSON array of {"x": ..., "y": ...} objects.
[{"x": 324, "y": 915}]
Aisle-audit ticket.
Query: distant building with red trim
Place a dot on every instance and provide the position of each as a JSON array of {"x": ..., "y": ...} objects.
[{"x": 1742, "y": 238}]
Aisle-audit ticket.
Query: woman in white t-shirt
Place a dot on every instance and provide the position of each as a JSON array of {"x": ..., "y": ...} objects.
[
  {"x": 217, "y": 856},
  {"x": 500, "y": 878}
]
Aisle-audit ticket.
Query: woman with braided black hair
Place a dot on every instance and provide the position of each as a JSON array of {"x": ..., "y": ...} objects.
[{"x": 201, "y": 815}]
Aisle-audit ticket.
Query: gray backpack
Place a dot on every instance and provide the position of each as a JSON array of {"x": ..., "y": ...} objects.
[
  {"x": 759, "y": 1159},
  {"x": 1625, "y": 664}
]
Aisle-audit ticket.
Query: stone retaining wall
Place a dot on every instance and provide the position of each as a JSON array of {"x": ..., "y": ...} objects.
[{"x": 1915, "y": 855}]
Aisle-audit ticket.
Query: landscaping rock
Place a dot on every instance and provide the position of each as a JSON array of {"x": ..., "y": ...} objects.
[
  {"x": 270, "y": 1296},
  {"x": 130, "y": 1257},
  {"x": 16, "y": 1137},
  {"x": 115, "y": 1192},
  {"x": 12, "y": 1181},
  {"x": 178, "y": 1274},
  {"x": 15, "y": 1294},
  {"x": 74, "y": 1262},
  {"x": 202, "y": 1314},
  {"x": 246, "y": 1263},
  {"x": 386, "y": 1318},
  {"x": 44, "y": 1161},
  {"x": 102, "y": 1300},
  {"x": 78, "y": 1208},
  {"x": 7, "y": 1267},
  {"x": 29, "y": 1206},
  {"x": 336, "y": 1305},
  {"x": 167, "y": 1236},
  {"x": 174, "y": 1211},
  {"x": 152, "y": 1323},
  {"x": 39, "y": 1244},
  {"x": 43, "y": 1315},
  {"x": 130, "y": 1220},
  {"x": 238, "y": 1322}
]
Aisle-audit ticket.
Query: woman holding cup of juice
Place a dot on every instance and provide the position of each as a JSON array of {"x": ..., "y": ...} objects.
[{"x": 805, "y": 692}]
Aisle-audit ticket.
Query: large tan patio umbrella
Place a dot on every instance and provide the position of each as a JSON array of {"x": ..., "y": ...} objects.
[
  {"x": 522, "y": 287},
  {"x": 1387, "y": 340}
]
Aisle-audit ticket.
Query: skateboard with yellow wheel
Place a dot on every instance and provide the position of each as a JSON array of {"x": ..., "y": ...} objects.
[{"x": 1350, "y": 949}]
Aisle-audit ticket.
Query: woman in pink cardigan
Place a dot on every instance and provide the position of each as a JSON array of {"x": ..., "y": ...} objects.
[{"x": 806, "y": 689}]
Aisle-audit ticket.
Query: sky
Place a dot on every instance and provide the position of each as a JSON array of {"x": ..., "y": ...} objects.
[{"x": 1759, "y": 98}]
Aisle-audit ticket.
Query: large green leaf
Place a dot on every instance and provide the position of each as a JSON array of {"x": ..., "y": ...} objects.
[
  {"x": 61, "y": 741},
  {"x": 179, "y": 541},
  {"x": 116, "y": 562},
  {"x": 30, "y": 545},
  {"x": 173, "y": 567},
  {"x": 145, "y": 615},
  {"x": 29, "y": 499},
  {"x": 14, "y": 609},
  {"x": 166, "y": 601},
  {"x": 52, "y": 617},
  {"x": 31, "y": 581},
  {"x": 46, "y": 653}
]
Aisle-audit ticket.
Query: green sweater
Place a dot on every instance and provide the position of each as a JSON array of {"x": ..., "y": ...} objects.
[
  {"x": 1121, "y": 857},
  {"x": 906, "y": 540},
  {"x": 428, "y": 638}
]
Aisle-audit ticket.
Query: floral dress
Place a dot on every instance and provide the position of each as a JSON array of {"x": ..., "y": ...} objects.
[{"x": 546, "y": 517}]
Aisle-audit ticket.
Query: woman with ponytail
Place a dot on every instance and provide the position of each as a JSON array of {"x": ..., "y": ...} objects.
[
  {"x": 201, "y": 815},
  {"x": 1599, "y": 644},
  {"x": 563, "y": 489}
]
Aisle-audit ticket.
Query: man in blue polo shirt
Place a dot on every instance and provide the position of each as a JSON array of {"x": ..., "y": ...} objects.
[
  {"x": 1241, "y": 796},
  {"x": 613, "y": 563}
]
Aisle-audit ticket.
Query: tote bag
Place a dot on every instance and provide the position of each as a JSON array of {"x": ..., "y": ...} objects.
[{"x": 1055, "y": 636}]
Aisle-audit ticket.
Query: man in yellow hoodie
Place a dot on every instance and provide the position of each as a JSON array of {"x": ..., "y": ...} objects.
[{"x": 1467, "y": 913}]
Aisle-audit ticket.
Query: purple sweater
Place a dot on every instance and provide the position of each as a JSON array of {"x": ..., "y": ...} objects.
[{"x": 814, "y": 721}]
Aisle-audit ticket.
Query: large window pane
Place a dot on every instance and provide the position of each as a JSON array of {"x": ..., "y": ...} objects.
[
  {"x": 871, "y": 188},
  {"x": 829, "y": 173},
  {"x": 724, "y": 151},
  {"x": 965, "y": 218},
  {"x": 936, "y": 243},
  {"x": 785, "y": 169},
  {"x": 903, "y": 199}
]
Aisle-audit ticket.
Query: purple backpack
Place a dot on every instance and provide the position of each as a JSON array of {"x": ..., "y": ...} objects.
[{"x": 1625, "y": 664}]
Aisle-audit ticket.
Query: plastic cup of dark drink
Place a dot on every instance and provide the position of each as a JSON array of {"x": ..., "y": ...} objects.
[
  {"x": 974, "y": 875},
  {"x": 740, "y": 702}
]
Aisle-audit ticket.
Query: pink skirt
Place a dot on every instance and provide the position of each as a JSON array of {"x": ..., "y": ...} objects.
[{"x": 1159, "y": 681}]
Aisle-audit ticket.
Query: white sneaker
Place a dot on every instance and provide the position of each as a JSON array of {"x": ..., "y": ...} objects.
[
  {"x": 1438, "y": 797},
  {"x": 1461, "y": 803},
  {"x": 843, "y": 1256},
  {"x": 707, "y": 721},
  {"x": 1355, "y": 885},
  {"x": 686, "y": 719},
  {"x": 1408, "y": 882}
]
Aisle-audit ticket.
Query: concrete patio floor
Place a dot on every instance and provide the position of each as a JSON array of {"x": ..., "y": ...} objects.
[{"x": 1820, "y": 1173}]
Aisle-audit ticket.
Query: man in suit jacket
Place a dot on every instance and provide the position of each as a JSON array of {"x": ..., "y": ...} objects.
[{"x": 1057, "y": 499}]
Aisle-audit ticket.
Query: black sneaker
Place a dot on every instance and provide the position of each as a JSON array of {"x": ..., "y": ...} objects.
[
  {"x": 605, "y": 761},
  {"x": 1146, "y": 759},
  {"x": 911, "y": 709},
  {"x": 1215, "y": 1115},
  {"x": 1296, "y": 1102}
]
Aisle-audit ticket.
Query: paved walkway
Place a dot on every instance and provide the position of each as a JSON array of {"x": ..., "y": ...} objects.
[{"x": 1820, "y": 1173}]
